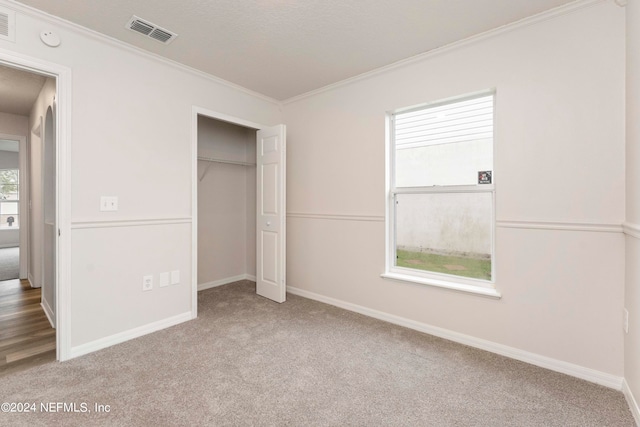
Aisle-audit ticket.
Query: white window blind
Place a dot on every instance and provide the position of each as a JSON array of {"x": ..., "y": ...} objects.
[{"x": 461, "y": 121}]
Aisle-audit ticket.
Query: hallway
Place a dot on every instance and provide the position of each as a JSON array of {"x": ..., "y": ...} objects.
[{"x": 26, "y": 336}]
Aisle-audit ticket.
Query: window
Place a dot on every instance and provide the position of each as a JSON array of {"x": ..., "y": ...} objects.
[
  {"x": 440, "y": 219},
  {"x": 9, "y": 199}
]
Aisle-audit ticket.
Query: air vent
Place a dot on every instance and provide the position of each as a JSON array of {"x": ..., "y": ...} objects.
[
  {"x": 7, "y": 24},
  {"x": 150, "y": 30}
]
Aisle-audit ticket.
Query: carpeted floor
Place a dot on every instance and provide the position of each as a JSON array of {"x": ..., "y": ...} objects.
[
  {"x": 9, "y": 263},
  {"x": 247, "y": 361}
]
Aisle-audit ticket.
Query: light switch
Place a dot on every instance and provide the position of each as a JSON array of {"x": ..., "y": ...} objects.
[{"x": 108, "y": 203}]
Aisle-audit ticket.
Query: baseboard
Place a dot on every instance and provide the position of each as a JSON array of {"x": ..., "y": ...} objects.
[
  {"x": 633, "y": 403},
  {"x": 31, "y": 281},
  {"x": 8, "y": 245},
  {"x": 216, "y": 283},
  {"x": 581, "y": 372},
  {"x": 121, "y": 337},
  {"x": 48, "y": 312}
]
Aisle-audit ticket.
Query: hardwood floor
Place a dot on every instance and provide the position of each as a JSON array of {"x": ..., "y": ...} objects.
[{"x": 26, "y": 336}]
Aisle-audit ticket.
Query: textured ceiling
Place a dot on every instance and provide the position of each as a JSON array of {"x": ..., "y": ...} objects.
[{"x": 283, "y": 48}]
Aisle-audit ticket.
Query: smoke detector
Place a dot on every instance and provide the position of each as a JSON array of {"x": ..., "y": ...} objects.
[{"x": 150, "y": 30}]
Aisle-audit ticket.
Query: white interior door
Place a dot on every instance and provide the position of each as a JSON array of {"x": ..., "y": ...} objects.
[{"x": 271, "y": 213}]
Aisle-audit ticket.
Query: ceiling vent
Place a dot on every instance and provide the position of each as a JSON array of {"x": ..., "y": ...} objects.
[
  {"x": 7, "y": 24},
  {"x": 150, "y": 30}
]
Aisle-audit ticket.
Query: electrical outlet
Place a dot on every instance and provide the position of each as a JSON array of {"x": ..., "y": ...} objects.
[
  {"x": 147, "y": 283},
  {"x": 164, "y": 279},
  {"x": 626, "y": 321}
]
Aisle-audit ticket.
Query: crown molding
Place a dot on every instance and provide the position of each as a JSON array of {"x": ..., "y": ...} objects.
[
  {"x": 113, "y": 42},
  {"x": 525, "y": 22}
]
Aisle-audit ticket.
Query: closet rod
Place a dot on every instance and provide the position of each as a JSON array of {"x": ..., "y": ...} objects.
[{"x": 231, "y": 162}]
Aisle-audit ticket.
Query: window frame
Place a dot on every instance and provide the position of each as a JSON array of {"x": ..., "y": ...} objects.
[{"x": 424, "y": 277}]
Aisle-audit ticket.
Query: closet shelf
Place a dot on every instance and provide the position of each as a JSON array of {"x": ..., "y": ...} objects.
[
  {"x": 231, "y": 162},
  {"x": 214, "y": 160}
]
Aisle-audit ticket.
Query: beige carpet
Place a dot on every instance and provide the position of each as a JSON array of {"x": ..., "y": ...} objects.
[{"x": 249, "y": 362}]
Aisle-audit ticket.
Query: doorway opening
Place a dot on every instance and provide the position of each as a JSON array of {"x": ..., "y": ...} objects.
[
  {"x": 239, "y": 226},
  {"x": 34, "y": 110},
  {"x": 226, "y": 203},
  {"x": 27, "y": 184}
]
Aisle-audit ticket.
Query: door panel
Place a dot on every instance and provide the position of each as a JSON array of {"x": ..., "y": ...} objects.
[{"x": 271, "y": 213}]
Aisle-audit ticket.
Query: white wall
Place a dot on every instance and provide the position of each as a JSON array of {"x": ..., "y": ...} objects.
[
  {"x": 13, "y": 124},
  {"x": 9, "y": 238},
  {"x": 36, "y": 217},
  {"x": 559, "y": 159},
  {"x": 130, "y": 138},
  {"x": 457, "y": 224},
  {"x": 224, "y": 211},
  {"x": 632, "y": 289}
]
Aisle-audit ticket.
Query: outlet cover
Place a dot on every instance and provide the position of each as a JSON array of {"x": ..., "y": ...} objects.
[
  {"x": 164, "y": 279},
  {"x": 147, "y": 283}
]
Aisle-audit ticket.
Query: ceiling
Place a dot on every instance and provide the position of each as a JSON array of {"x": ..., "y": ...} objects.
[
  {"x": 18, "y": 90},
  {"x": 283, "y": 48}
]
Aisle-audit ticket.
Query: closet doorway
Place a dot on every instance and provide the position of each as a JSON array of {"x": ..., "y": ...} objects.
[{"x": 239, "y": 204}]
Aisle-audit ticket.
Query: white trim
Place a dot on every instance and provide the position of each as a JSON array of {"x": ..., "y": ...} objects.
[
  {"x": 628, "y": 228},
  {"x": 32, "y": 281},
  {"x": 458, "y": 285},
  {"x": 631, "y": 401},
  {"x": 121, "y": 337},
  {"x": 631, "y": 229},
  {"x": 55, "y": 20},
  {"x": 525, "y": 22},
  {"x": 336, "y": 217},
  {"x": 194, "y": 211},
  {"x": 128, "y": 222},
  {"x": 48, "y": 312},
  {"x": 560, "y": 226},
  {"x": 588, "y": 374},
  {"x": 225, "y": 118},
  {"x": 226, "y": 281}
]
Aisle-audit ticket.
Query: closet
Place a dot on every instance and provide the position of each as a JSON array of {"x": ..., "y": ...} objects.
[{"x": 226, "y": 202}]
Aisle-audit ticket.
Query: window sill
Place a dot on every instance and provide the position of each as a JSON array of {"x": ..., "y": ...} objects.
[
  {"x": 9, "y": 229},
  {"x": 461, "y": 287}
]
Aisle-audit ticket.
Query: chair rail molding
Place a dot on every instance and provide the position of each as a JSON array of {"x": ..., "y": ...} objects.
[{"x": 631, "y": 229}]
